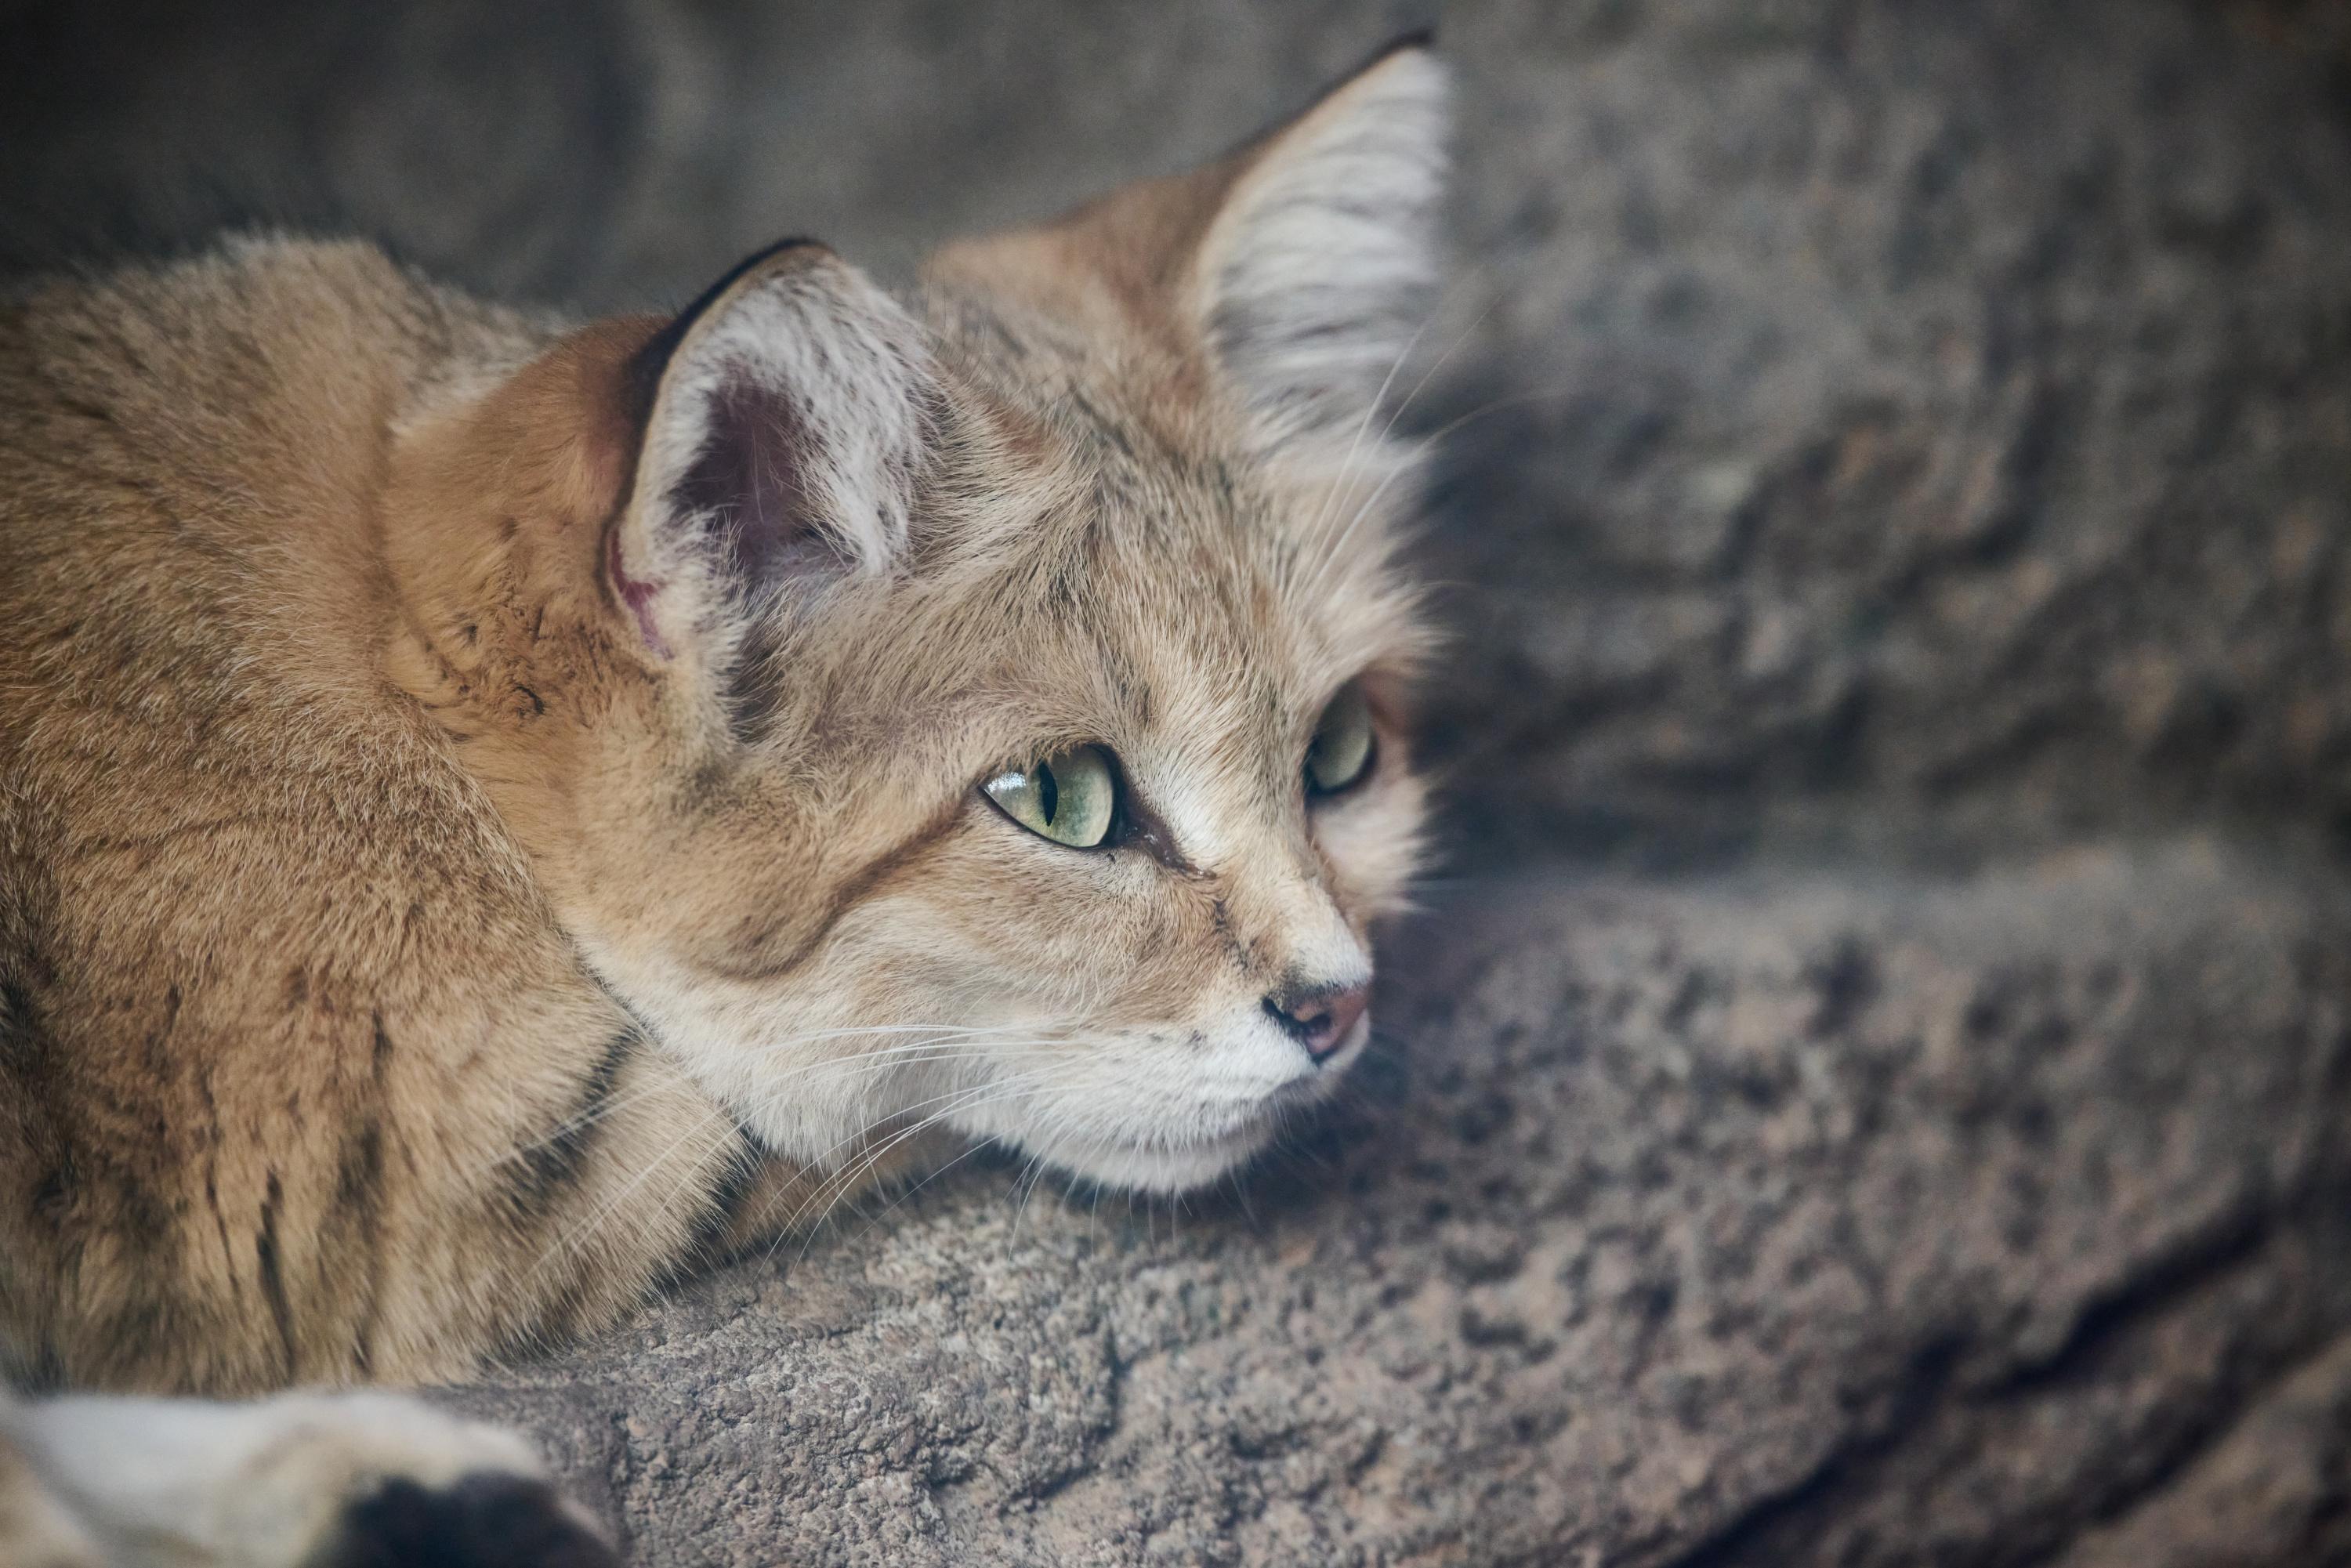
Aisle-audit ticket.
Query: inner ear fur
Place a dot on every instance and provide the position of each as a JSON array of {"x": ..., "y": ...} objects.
[{"x": 784, "y": 419}]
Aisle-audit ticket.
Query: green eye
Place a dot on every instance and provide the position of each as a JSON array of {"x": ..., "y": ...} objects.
[
  {"x": 1069, "y": 799},
  {"x": 1340, "y": 752}
]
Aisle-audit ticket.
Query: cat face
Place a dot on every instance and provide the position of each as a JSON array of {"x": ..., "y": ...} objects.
[
  {"x": 1110, "y": 914},
  {"x": 999, "y": 714}
]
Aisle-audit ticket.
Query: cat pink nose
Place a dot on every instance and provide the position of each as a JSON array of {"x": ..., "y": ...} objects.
[{"x": 1322, "y": 1019}]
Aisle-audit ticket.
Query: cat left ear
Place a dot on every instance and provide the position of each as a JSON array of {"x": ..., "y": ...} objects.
[{"x": 783, "y": 418}]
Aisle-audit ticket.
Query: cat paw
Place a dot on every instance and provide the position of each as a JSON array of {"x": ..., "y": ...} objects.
[
  {"x": 306, "y": 1480},
  {"x": 406, "y": 1485},
  {"x": 490, "y": 1518}
]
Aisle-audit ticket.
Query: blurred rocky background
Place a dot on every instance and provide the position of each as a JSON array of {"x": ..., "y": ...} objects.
[{"x": 1871, "y": 1086}]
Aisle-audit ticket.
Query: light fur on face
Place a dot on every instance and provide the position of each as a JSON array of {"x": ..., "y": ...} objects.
[{"x": 491, "y": 812}]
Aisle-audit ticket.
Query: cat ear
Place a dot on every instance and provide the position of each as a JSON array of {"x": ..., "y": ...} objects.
[
  {"x": 1321, "y": 259},
  {"x": 1296, "y": 270},
  {"x": 783, "y": 420}
]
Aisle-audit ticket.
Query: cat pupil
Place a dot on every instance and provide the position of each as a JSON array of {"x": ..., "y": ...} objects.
[{"x": 1048, "y": 793}]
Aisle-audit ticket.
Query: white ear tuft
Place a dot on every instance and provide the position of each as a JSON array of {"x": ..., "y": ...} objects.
[
  {"x": 783, "y": 437},
  {"x": 1322, "y": 260}
]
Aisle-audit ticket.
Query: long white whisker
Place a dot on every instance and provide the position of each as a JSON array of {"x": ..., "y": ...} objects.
[
  {"x": 853, "y": 1175},
  {"x": 1335, "y": 550},
  {"x": 1329, "y": 553},
  {"x": 892, "y": 1206},
  {"x": 833, "y": 1188},
  {"x": 1371, "y": 411},
  {"x": 578, "y": 1233},
  {"x": 992, "y": 1054},
  {"x": 945, "y": 1045}
]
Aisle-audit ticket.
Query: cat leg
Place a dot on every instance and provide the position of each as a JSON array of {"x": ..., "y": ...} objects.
[{"x": 302, "y": 1481}]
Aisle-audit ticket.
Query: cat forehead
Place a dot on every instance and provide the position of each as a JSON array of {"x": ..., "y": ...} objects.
[
  {"x": 1101, "y": 456},
  {"x": 1176, "y": 561}
]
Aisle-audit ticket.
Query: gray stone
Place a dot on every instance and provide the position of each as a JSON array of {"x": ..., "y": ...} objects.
[{"x": 1941, "y": 407}]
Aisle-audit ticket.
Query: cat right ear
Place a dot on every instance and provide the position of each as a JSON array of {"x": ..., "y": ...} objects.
[
  {"x": 783, "y": 419},
  {"x": 1297, "y": 269}
]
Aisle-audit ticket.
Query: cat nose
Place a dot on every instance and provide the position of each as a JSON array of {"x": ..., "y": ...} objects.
[{"x": 1322, "y": 1019}]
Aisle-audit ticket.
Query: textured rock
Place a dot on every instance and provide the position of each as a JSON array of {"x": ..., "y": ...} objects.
[
  {"x": 1944, "y": 405},
  {"x": 2270, "y": 1491},
  {"x": 1752, "y": 1219},
  {"x": 1886, "y": 447}
]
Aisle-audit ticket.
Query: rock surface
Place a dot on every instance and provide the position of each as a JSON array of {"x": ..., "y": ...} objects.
[
  {"x": 1941, "y": 407},
  {"x": 1754, "y": 1219},
  {"x": 1896, "y": 482}
]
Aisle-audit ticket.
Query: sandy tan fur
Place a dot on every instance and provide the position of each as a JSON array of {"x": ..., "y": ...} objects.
[
  {"x": 291, "y": 1036},
  {"x": 436, "y": 905}
]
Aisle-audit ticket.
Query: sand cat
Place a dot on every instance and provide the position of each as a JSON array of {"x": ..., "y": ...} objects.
[{"x": 496, "y": 813}]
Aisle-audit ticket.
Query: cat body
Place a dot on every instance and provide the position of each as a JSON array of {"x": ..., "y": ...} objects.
[
  {"x": 494, "y": 813},
  {"x": 305, "y": 1081}
]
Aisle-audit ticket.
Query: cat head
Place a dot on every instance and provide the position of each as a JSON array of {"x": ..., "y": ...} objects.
[{"x": 986, "y": 706}]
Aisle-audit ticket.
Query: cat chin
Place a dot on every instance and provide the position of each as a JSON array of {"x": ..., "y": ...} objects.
[{"x": 1158, "y": 1168}]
